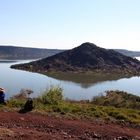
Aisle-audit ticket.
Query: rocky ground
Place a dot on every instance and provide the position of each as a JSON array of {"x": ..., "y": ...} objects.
[{"x": 33, "y": 126}]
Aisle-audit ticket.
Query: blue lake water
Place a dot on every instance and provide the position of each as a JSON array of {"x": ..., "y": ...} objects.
[{"x": 15, "y": 80}]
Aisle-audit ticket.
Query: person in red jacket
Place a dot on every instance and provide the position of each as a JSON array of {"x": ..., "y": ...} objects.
[{"x": 2, "y": 96}]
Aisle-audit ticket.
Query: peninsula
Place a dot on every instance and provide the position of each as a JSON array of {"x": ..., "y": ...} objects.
[{"x": 86, "y": 58}]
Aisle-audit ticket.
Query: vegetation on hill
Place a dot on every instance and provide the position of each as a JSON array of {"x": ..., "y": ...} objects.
[
  {"x": 12, "y": 52},
  {"x": 124, "y": 109},
  {"x": 86, "y": 58},
  {"x": 118, "y": 99}
]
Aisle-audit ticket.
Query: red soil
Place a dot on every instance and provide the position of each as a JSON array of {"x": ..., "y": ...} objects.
[{"x": 33, "y": 126}]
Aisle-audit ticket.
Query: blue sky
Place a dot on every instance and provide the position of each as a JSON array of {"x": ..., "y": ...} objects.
[{"x": 64, "y": 24}]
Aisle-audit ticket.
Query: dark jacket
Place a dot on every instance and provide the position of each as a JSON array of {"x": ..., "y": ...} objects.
[{"x": 2, "y": 96}]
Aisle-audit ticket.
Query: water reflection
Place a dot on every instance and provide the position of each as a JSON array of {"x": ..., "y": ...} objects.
[
  {"x": 86, "y": 80},
  {"x": 76, "y": 87}
]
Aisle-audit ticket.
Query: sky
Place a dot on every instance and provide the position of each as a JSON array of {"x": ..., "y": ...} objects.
[{"x": 65, "y": 24}]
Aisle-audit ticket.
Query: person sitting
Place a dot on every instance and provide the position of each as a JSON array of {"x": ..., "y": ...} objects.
[
  {"x": 2, "y": 96},
  {"x": 28, "y": 106}
]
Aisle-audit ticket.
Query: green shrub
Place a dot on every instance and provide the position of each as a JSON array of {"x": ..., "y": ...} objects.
[
  {"x": 15, "y": 103},
  {"x": 119, "y": 99},
  {"x": 117, "y": 115},
  {"x": 57, "y": 108},
  {"x": 53, "y": 96}
]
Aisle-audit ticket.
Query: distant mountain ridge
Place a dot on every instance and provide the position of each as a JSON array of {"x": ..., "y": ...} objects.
[
  {"x": 85, "y": 58},
  {"x": 128, "y": 53},
  {"x": 15, "y": 52}
]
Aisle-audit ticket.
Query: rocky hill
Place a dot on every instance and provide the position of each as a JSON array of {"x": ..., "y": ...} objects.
[
  {"x": 85, "y": 58},
  {"x": 13, "y": 52}
]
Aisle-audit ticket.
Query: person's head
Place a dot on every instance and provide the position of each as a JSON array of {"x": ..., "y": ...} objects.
[{"x": 1, "y": 90}]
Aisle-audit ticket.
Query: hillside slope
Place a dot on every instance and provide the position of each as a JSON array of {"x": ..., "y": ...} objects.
[
  {"x": 85, "y": 58},
  {"x": 12, "y": 52}
]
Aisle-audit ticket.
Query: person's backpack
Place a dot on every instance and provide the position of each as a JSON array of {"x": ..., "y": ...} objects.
[{"x": 29, "y": 105}]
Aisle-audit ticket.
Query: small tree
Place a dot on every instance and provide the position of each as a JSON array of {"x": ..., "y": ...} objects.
[{"x": 53, "y": 96}]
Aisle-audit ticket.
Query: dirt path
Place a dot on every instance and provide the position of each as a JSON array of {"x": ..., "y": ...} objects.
[{"x": 31, "y": 126}]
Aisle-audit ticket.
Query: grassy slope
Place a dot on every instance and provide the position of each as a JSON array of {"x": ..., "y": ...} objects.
[{"x": 52, "y": 102}]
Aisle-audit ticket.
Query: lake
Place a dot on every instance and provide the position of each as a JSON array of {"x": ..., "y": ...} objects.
[{"x": 75, "y": 88}]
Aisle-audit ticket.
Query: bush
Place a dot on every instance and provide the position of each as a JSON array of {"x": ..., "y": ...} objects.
[
  {"x": 53, "y": 96},
  {"x": 15, "y": 103},
  {"x": 117, "y": 99}
]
